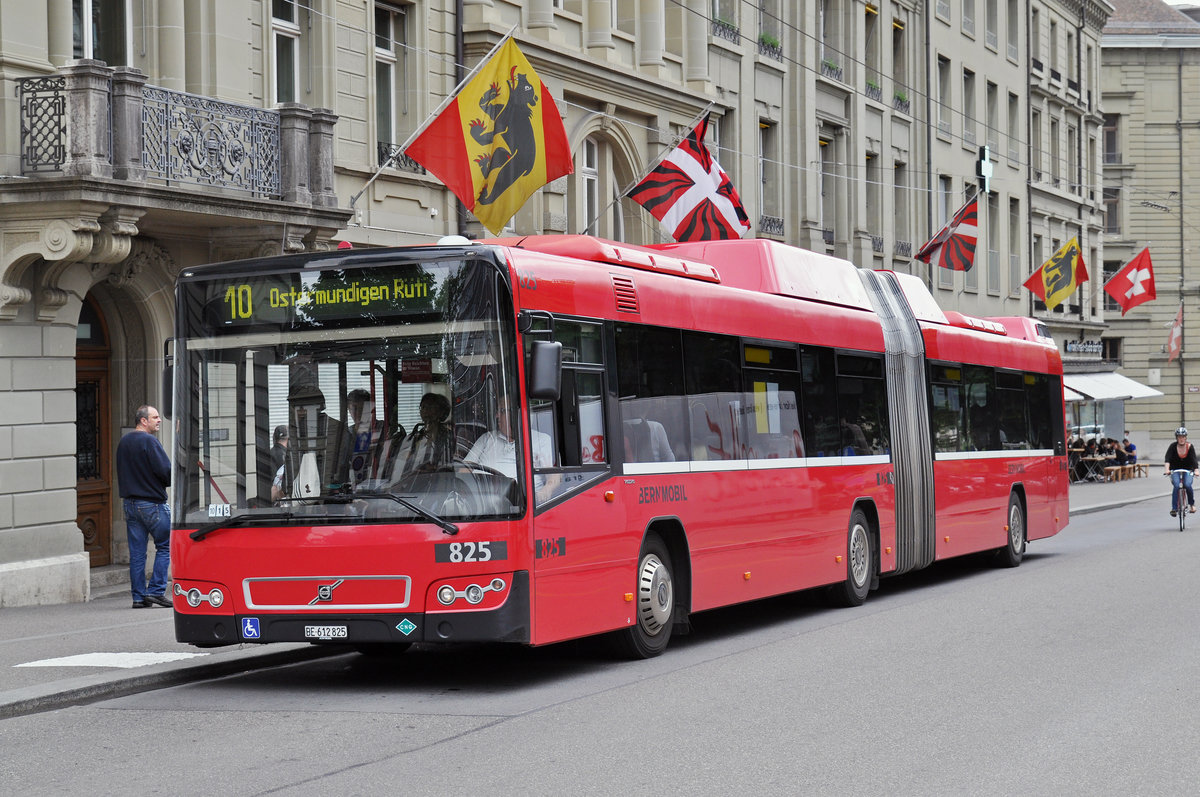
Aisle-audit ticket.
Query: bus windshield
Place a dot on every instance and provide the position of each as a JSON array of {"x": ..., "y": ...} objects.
[{"x": 331, "y": 395}]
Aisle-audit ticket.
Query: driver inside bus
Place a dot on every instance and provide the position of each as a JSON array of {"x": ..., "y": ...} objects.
[{"x": 496, "y": 450}]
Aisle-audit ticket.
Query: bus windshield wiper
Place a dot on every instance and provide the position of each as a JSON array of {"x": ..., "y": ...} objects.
[
  {"x": 445, "y": 525},
  {"x": 238, "y": 520}
]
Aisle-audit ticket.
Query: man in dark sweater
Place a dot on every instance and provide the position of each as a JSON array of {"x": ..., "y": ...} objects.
[{"x": 143, "y": 475}]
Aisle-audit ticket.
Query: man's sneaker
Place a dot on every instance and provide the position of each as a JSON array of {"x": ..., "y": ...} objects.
[
  {"x": 157, "y": 600},
  {"x": 1192, "y": 509},
  {"x": 1173, "y": 513}
]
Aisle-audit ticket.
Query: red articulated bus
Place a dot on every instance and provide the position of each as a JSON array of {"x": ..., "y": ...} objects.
[{"x": 536, "y": 439}]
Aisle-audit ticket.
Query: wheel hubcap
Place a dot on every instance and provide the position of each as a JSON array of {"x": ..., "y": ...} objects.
[
  {"x": 859, "y": 548},
  {"x": 656, "y": 595},
  {"x": 1016, "y": 531}
]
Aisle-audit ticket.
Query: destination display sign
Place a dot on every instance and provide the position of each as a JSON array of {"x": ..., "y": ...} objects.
[{"x": 320, "y": 298}]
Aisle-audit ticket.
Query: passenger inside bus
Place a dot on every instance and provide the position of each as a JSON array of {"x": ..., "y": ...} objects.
[
  {"x": 318, "y": 454},
  {"x": 646, "y": 441},
  {"x": 431, "y": 443}
]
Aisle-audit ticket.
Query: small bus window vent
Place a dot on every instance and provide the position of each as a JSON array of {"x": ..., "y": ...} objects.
[{"x": 626, "y": 294}]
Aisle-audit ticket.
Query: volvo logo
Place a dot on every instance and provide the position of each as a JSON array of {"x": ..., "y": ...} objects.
[{"x": 325, "y": 592}]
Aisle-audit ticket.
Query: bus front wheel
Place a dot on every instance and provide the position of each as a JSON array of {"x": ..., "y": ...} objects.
[
  {"x": 859, "y": 562},
  {"x": 655, "y": 596}
]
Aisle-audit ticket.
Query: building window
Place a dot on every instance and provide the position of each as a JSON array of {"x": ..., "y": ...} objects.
[
  {"x": 1014, "y": 127},
  {"x": 1014, "y": 27},
  {"x": 285, "y": 46},
  {"x": 1111, "y": 267},
  {"x": 944, "y": 94},
  {"x": 968, "y": 16},
  {"x": 1112, "y": 210},
  {"x": 768, "y": 147},
  {"x": 992, "y": 22},
  {"x": 968, "y": 101},
  {"x": 1110, "y": 348},
  {"x": 945, "y": 202},
  {"x": 1112, "y": 138},
  {"x": 1015, "y": 277},
  {"x": 101, "y": 30},
  {"x": 1055, "y": 154},
  {"x": 900, "y": 202},
  {"x": 991, "y": 100},
  {"x": 871, "y": 34},
  {"x": 1035, "y": 36},
  {"x": 993, "y": 243},
  {"x": 829, "y": 160},
  {"x": 589, "y": 176},
  {"x": 1035, "y": 145},
  {"x": 899, "y": 62},
  {"x": 1074, "y": 177},
  {"x": 391, "y": 60}
]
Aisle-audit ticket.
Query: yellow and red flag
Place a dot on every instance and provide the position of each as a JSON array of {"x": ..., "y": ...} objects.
[
  {"x": 500, "y": 139},
  {"x": 1059, "y": 276}
]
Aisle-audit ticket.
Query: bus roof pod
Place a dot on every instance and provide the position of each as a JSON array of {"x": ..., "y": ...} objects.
[{"x": 751, "y": 264}]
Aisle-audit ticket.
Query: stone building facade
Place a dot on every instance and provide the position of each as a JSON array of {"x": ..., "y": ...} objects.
[
  {"x": 140, "y": 138},
  {"x": 1151, "y": 83}
]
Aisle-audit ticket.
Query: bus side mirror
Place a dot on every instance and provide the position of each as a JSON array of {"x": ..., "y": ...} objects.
[
  {"x": 168, "y": 382},
  {"x": 544, "y": 370}
]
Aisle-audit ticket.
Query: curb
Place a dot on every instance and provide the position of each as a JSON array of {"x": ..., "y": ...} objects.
[
  {"x": 92, "y": 688},
  {"x": 1087, "y": 510}
]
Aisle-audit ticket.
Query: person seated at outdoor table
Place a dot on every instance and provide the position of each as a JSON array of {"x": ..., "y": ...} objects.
[
  {"x": 1089, "y": 448},
  {"x": 1130, "y": 452},
  {"x": 1118, "y": 450},
  {"x": 1075, "y": 442}
]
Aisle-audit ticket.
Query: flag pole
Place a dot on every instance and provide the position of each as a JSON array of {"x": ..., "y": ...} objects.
[
  {"x": 653, "y": 165},
  {"x": 429, "y": 119}
]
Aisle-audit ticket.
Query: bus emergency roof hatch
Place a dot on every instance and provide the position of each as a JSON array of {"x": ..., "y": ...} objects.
[{"x": 772, "y": 267}]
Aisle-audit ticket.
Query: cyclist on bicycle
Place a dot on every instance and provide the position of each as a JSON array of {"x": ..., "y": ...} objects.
[{"x": 1181, "y": 456}]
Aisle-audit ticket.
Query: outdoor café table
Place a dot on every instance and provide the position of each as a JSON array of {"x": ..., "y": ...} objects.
[{"x": 1095, "y": 467}]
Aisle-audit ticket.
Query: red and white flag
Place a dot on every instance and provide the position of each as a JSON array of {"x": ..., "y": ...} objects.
[
  {"x": 1175, "y": 342},
  {"x": 691, "y": 195},
  {"x": 954, "y": 245},
  {"x": 1133, "y": 284}
]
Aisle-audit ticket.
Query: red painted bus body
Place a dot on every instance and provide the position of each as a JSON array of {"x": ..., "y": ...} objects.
[{"x": 733, "y": 420}]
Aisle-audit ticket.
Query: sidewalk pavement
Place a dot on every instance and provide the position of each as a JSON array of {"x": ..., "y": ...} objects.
[{"x": 56, "y": 656}]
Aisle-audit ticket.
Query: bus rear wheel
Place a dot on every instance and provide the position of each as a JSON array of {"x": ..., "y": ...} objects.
[
  {"x": 860, "y": 562},
  {"x": 1014, "y": 549},
  {"x": 655, "y": 597}
]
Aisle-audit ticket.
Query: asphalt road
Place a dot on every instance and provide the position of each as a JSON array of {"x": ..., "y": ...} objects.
[{"x": 1072, "y": 674}]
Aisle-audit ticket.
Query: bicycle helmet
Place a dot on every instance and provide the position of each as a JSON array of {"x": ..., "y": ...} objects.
[{"x": 1182, "y": 430}]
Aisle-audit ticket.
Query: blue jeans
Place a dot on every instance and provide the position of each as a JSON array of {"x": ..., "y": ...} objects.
[
  {"x": 146, "y": 520},
  {"x": 1187, "y": 482}
]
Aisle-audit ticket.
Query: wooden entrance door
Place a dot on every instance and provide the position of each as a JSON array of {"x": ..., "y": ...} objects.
[{"x": 94, "y": 455}]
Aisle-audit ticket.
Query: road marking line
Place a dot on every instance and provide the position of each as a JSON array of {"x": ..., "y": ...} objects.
[{"x": 122, "y": 660}]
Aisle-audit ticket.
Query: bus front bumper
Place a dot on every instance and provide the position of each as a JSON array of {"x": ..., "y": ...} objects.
[{"x": 508, "y": 622}]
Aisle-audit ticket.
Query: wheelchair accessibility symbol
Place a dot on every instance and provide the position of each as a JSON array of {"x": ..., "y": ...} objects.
[{"x": 250, "y": 628}]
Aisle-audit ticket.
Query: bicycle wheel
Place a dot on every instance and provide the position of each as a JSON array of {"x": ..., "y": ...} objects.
[{"x": 1181, "y": 502}]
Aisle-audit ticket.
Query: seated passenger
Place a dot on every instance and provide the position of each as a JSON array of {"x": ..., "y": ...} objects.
[
  {"x": 646, "y": 441},
  {"x": 431, "y": 443}
]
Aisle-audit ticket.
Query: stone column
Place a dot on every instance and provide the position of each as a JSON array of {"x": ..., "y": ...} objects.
[
  {"x": 541, "y": 14},
  {"x": 127, "y": 85},
  {"x": 61, "y": 31},
  {"x": 695, "y": 48},
  {"x": 652, "y": 34},
  {"x": 172, "y": 60},
  {"x": 88, "y": 154},
  {"x": 320, "y": 157},
  {"x": 599, "y": 23},
  {"x": 294, "y": 124}
]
